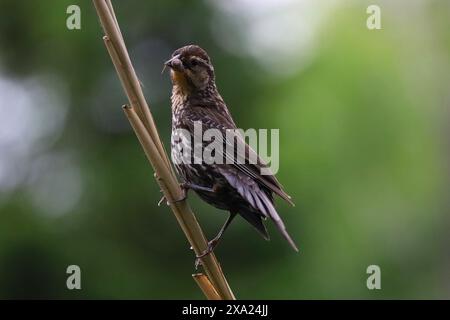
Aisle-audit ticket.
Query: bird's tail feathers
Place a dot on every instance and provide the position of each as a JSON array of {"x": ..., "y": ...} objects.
[
  {"x": 266, "y": 207},
  {"x": 256, "y": 221}
]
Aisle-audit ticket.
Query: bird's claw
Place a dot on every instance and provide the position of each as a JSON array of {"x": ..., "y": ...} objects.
[
  {"x": 210, "y": 248},
  {"x": 197, "y": 263},
  {"x": 184, "y": 193},
  {"x": 163, "y": 198},
  {"x": 182, "y": 198}
]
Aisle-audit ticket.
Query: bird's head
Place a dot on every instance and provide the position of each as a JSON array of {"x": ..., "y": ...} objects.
[{"x": 191, "y": 69}]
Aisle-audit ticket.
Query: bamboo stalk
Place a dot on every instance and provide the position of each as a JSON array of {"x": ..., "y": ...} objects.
[
  {"x": 206, "y": 286},
  {"x": 181, "y": 209},
  {"x": 111, "y": 27},
  {"x": 139, "y": 115}
]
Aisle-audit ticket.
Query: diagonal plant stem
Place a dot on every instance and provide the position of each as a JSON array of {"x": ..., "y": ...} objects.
[
  {"x": 206, "y": 286},
  {"x": 213, "y": 283}
]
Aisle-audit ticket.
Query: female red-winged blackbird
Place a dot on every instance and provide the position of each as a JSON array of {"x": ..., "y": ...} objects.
[{"x": 237, "y": 187}]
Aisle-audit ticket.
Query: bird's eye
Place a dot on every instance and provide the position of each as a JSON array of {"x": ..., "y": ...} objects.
[{"x": 194, "y": 62}]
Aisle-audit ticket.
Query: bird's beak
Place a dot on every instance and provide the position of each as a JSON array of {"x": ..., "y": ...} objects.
[{"x": 175, "y": 63}]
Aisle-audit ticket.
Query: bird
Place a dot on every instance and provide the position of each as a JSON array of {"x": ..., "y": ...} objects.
[{"x": 236, "y": 187}]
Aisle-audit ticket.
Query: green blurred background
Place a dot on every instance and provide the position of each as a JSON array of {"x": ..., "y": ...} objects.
[{"x": 364, "y": 126}]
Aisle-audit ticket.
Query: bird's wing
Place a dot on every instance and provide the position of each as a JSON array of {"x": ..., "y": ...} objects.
[{"x": 212, "y": 119}]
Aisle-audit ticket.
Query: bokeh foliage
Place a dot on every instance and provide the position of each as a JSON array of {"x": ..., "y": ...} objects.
[{"x": 364, "y": 153}]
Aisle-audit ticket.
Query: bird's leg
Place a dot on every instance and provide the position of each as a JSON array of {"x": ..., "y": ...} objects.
[
  {"x": 185, "y": 186},
  {"x": 213, "y": 243}
]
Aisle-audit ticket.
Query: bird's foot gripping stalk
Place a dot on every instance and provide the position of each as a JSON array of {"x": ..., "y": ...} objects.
[
  {"x": 185, "y": 186},
  {"x": 213, "y": 243},
  {"x": 210, "y": 248}
]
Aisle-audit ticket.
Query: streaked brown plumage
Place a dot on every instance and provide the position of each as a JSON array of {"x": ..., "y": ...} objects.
[{"x": 237, "y": 188}]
